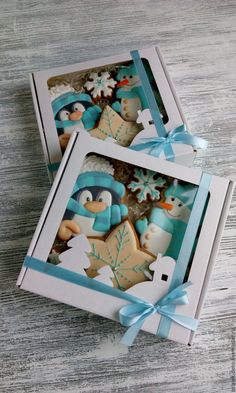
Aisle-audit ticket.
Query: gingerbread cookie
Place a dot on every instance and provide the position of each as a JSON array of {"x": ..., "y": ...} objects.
[
  {"x": 121, "y": 251},
  {"x": 72, "y": 111},
  {"x": 130, "y": 93},
  {"x": 96, "y": 203},
  {"x": 146, "y": 184},
  {"x": 100, "y": 84},
  {"x": 164, "y": 230},
  {"x": 113, "y": 126}
]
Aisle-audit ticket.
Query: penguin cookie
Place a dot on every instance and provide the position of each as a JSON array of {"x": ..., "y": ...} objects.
[
  {"x": 95, "y": 205},
  {"x": 72, "y": 111},
  {"x": 163, "y": 231},
  {"x": 130, "y": 94}
]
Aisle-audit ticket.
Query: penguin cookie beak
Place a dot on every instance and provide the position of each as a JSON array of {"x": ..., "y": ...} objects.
[
  {"x": 75, "y": 115},
  {"x": 95, "y": 206},
  {"x": 122, "y": 83},
  {"x": 164, "y": 205}
]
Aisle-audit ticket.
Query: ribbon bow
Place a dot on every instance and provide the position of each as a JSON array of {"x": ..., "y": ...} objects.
[
  {"x": 163, "y": 143},
  {"x": 134, "y": 315}
]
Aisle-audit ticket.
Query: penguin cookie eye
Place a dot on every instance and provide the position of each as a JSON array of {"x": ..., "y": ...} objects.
[
  {"x": 131, "y": 76},
  {"x": 64, "y": 115},
  {"x": 124, "y": 77},
  {"x": 172, "y": 199},
  {"x": 105, "y": 196},
  {"x": 180, "y": 204},
  {"x": 77, "y": 107},
  {"x": 85, "y": 196}
]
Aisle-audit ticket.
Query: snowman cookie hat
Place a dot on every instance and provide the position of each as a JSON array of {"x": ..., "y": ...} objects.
[
  {"x": 63, "y": 95},
  {"x": 98, "y": 172},
  {"x": 185, "y": 193},
  {"x": 126, "y": 70}
]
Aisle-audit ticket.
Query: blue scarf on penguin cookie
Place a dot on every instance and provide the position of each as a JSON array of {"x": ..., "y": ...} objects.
[
  {"x": 104, "y": 220},
  {"x": 89, "y": 117}
]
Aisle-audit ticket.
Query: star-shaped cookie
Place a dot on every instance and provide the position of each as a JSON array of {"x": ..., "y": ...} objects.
[
  {"x": 112, "y": 125},
  {"x": 120, "y": 250}
]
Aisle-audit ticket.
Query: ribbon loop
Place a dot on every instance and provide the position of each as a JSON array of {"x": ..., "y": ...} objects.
[
  {"x": 178, "y": 135},
  {"x": 134, "y": 315}
]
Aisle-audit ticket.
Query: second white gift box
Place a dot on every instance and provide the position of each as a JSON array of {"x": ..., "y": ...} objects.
[
  {"x": 128, "y": 236},
  {"x": 104, "y": 97}
]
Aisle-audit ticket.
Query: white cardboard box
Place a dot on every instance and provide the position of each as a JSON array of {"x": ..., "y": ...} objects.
[
  {"x": 39, "y": 86},
  {"x": 219, "y": 196}
]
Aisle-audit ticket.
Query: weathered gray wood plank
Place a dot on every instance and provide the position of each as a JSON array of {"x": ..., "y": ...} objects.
[{"x": 50, "y": 347}]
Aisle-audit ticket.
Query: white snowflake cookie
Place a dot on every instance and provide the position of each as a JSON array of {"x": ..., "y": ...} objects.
[
  {"x": 100, "y": 83},
  {"x": 146, "y": 185}
]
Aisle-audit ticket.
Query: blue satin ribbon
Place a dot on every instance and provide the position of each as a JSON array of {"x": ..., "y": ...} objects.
[
  {"x": 132, "y": 315},
  {"x": 177, "y": 135},
  {"x": 148, "y": 92},
  {"x": 164, "y": 140},
  {"x": 53, "y": 167},
  {"x": 188, "y": 245}
]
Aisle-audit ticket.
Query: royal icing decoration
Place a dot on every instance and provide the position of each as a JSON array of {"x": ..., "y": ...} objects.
[
  {"x": 100, "y": 84},
  {"x": 146, "y": 185},
  {"x": 130, "y": 93},
  {"x": 98, "y": 164},
  {"x": 72, "y": 111},
  {"x": 95, "y": 205},
  {"x": 120, "y": 250},
  {"x": 163, "y": 231},
  {"x": 111, "y": 125},
  {"x": 58, "y": 90}
]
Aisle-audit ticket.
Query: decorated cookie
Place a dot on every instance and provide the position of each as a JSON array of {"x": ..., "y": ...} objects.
[
  {"x": 120, "y": 250},
  {"x": 72, "y": 111},
  {"x": 100, "y": 84},
  {"x": 146, "y": 184},
  {"x": 113, "y": 126},
  {"x": 95, "y": 205},
  {"x": 163, "y": 231},
  {"x": 130, "y": 94}
]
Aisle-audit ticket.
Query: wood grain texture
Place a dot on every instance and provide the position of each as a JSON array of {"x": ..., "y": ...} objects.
[{"x": 50, "y": 347}]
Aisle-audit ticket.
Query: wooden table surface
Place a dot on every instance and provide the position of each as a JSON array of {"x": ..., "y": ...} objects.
[{"x": 50, "y": 347}]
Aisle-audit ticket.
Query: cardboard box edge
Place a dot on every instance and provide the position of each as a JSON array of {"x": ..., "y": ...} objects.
[
  {"x": 47, "y": 205},
  {"x": 214, "y": 252}
]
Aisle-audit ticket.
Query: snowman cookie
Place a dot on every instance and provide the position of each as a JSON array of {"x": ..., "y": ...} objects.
[
  {"x": 163, "y": 231},
  {"x": 130, "y": 93}
]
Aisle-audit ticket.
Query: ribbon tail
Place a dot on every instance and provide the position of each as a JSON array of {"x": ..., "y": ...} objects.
[
  {"x": 130, "y": 335},
  {"x": 141, "y": 146},
  {"x": 169, "y": 153},
  {"x": 183, "y": 320},
  {"x": 190, "y": 139}
]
